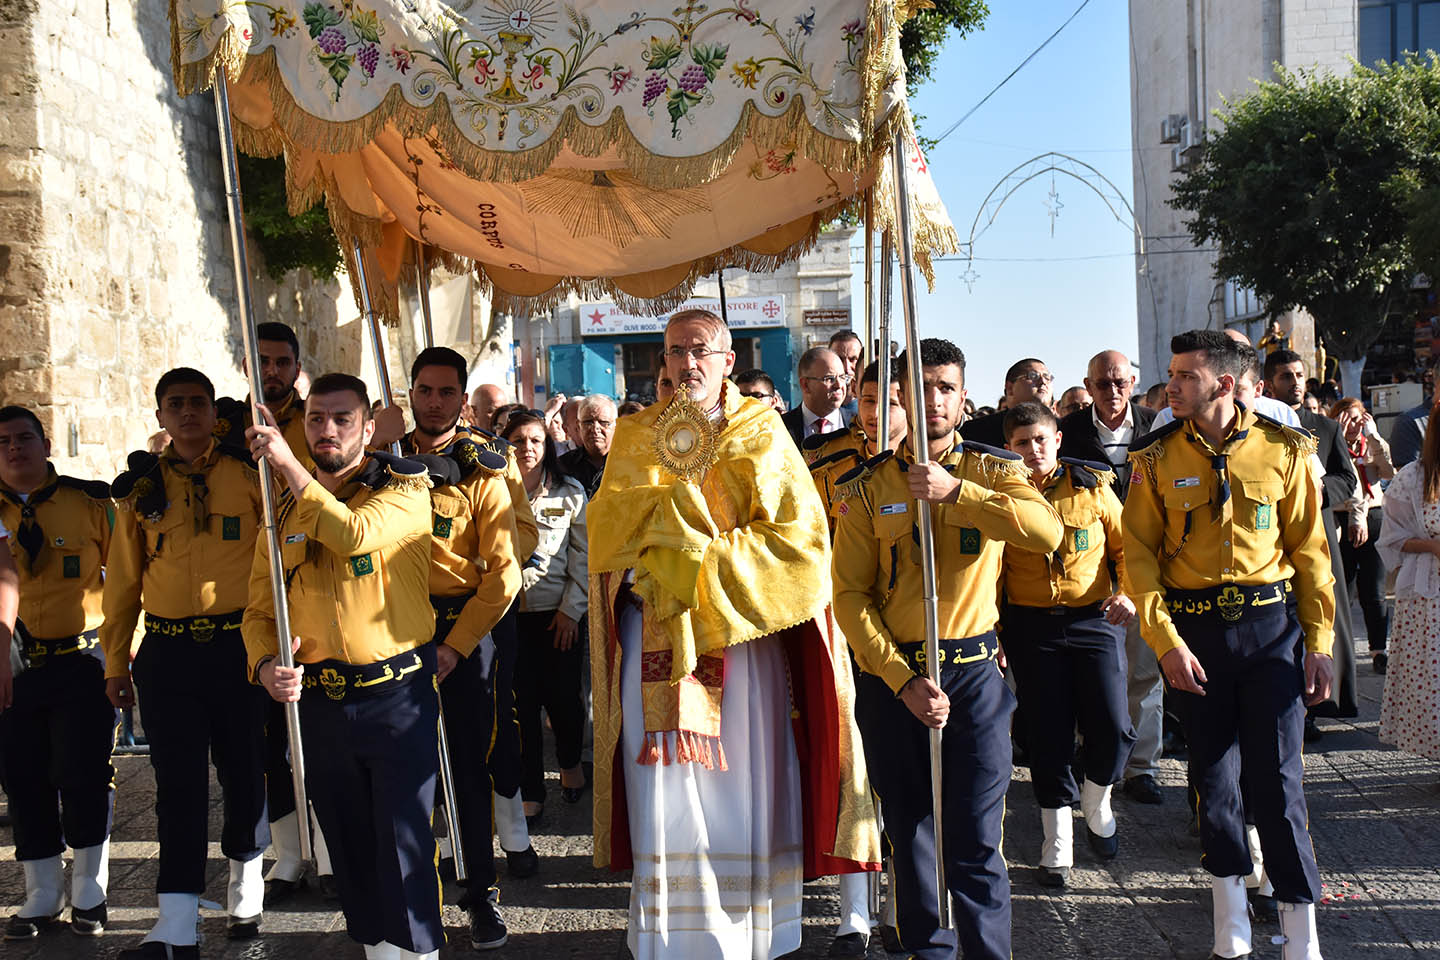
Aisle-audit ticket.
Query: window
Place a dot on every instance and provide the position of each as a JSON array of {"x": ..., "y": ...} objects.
[{"x": 1388, "y": 29}]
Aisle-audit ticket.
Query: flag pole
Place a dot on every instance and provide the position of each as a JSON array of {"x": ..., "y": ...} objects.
[{"x": 422, "y": 292}]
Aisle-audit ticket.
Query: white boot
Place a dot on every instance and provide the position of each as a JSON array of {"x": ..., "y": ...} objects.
[
  {"x": 403, "y": 954},
  {"x": 1095, "y": 806},
  {"x": 245, "y": 896},
  {"x": 1297, "y": 926},
  {"x": 1259, "y": 879},
  {"x": 510, "y": 823},
  {"x": 1058, "y": 849},
  {"x": 179, "y": 917},
  {"x": 44, "y": 888},
  {"x": 854, "y": 904},
  {"x": 1232, "y": 917},
  {"x": 90, "y": 876},
  {"x": 382, "y": 951},
  {"x": 285, "y": 845}
]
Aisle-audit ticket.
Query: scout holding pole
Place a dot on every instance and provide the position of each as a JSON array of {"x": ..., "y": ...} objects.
[
  {"x": 284, "y": 655},
  {"x": 916, "y": 391},
  {"x": 447, "y": 779}
]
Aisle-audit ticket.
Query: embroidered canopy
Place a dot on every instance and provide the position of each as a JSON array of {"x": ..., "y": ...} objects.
[{"x": 601, "y": 148}]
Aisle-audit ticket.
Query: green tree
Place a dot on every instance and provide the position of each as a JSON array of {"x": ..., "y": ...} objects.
[
  {"x": 925, "y": 33},
  {"x": 1308, "y": 188}
]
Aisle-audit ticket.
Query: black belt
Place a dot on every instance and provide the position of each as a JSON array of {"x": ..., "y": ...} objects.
[
  {"x": 447, "y": 609},
  {"x": 1080, "y": 612},
  {"x": 39, "y": 649},
  {"x": 1231, "y": 603},
  {"x": 977, "y": 649},
  {"x": 339, "y": 681},
  {"x": 198, "y": 629}
]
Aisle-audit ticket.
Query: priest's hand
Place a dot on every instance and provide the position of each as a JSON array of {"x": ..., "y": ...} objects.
[
  {"x": 930, "y": 481},
  {"x": 927, "y": 701}
]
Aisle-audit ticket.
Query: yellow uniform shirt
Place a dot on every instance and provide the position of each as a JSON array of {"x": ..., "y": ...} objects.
[
  {"x": 60, "y": 589},
  {"x": 358, "y": 567},
  {"x": 234, "y": 417},
  {"x": 1078, "y": 573},
  {"x": 1182, "y": 530},
  {"x": 472, "y": 540},
  {"x": 831, "y": 456},
  {"x": 878, "y": 585},
  {"x": 184, "y": 535}
]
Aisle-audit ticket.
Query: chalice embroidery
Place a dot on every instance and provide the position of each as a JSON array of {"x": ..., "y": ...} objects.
[{"x": 685, "y": 438}]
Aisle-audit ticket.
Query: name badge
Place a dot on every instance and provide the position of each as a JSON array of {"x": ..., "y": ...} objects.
[
  {"x": 1264, "y": 516},
  {"x": 295, "y": 538},
  {"x": 891, "y": 508},
  {"x": 554, "y": 511},
  {"x": 1186, "y": 482}
]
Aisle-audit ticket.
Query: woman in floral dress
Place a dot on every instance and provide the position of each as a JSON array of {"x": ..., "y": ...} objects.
[{"x": 1410, "y": 543}]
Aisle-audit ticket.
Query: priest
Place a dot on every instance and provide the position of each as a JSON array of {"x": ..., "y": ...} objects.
[{"x": 723, "y": 692}]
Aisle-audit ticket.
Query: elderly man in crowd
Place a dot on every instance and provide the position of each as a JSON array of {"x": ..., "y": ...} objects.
[
  {"x": 586, "y": 462},
  {"x": 1074, "y": 398},
  {"x": 487, "y": 398},
  {"x": 823, "y": 382}
]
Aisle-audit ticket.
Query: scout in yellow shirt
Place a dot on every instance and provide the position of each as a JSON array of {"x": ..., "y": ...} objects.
[
  {"x": 355, "y": 542},
  {"x": 982, "y": 502},
  {"x": 279, "y": 376},
  {"x": 1226, "y": 560},
  {"x": 185, "y": 531},
  {"x": 57, "y": 732},
  {"x": 1064, "y": 635},
  {"x": 474, "y": 579}
]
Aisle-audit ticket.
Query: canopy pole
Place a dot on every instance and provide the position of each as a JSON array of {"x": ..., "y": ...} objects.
[
  {"x": 919, "y": 438},
  {"x": 870, "y": 343},
  {"x": 377, "y": 340},
  {"x": 422, "y": 292},
  {"x": 724, "y": 310},
  {"x": 882, "y": 344},
  {"x": 283, "y": 654}
]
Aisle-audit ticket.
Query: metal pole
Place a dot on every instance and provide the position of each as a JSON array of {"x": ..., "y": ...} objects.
[
  {"x": 724, "y": 311},
  {"x": 422, "y": 291},
  {"x": 870, "y": 343},
  {"x": 377, "y": 340},
  {"x": 919, "y": 444},
  {"x": 882, "y": 345},
  {"x": 283, "y": 654}
]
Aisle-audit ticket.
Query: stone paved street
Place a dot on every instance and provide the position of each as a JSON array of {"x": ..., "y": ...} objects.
[{"x": 1373, "y": 812}]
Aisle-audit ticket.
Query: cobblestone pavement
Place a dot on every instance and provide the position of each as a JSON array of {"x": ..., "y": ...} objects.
[{"x": 1373, "y": 815}]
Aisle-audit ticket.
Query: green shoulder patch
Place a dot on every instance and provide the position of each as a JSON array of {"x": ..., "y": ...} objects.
[{"x": 362, "y": 565}]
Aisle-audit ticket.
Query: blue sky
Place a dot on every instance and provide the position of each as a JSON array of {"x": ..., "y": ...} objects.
[{"x": 1073, "y": 98}]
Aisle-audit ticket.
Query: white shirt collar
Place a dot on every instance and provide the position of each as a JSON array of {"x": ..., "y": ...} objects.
[
  {"x": 808, "y": 416},
  {"x": 1127, "y": 423}
]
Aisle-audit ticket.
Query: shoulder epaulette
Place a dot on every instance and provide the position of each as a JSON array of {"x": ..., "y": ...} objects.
[
  {"x": 1088, "y": 473},
  {"x": 444, "y": 471},
  {"x": 230, "y": 420},
  {"x": 141, "y": 487},
  {"x": 996, "y": 462},
  {"x": 1147, "y": 440},
  {"x": 1145, "y": 450},
  {"x": 471, "y": 456},
  {"x": 1298, "y": 438},
  {"x": 489, "y": 441},
  {"x": 851, "y": 483},
  {"x": 849, "y": 453},
  {"x": 94, "y": 489},
  {"x": 387, "y": 470},
  {"x": 235, "y": 453}
]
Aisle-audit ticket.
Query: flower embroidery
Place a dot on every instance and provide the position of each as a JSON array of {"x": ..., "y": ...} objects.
[
  {"x": 621, "y": 78},
  {"x": 747, "y": 74},
  {"x": 401, "y": 59}
]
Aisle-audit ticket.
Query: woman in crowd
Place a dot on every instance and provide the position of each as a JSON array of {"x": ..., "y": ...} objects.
[
  {"x": 553, "y": 601},
  {"x": 1360, "y": 516},
  {"x": 1410, "y": 543}
]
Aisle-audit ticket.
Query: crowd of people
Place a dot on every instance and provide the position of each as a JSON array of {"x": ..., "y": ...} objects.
[{"x": 725, "y": 603}]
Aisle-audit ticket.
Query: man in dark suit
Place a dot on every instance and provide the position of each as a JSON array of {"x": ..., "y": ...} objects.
[
  {"x": 1102, "y": 433},
  {"x": 1285, "y": 381},
  {"x": 823, "y": 382},
  {"x": 1026, "y": 380}
]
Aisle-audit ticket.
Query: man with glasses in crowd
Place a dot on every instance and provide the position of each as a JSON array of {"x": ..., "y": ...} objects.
[
  {"x": 1027, "y": 380},
  {"x": 823, "y": 383},
  {"x": 1102, "y": 434},
  {"x": 757, "y": 385},
  {"x": 851, "y": 351},
  {"x": 586, "y": 463}
]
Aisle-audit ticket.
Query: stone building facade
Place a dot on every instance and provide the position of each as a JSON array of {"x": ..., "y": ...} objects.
[{"x": 1187, "y": 57}]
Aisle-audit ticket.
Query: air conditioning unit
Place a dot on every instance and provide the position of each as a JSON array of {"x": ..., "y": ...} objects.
[
  {"x": 1180, "y": 159},
  {"x": 1173, "y": 127}
]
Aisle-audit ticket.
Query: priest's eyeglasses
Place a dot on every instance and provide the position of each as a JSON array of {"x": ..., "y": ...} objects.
[{"x": 698, "y": 353}]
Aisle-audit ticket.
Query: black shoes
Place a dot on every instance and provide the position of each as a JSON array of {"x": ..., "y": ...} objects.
[
  {"x": 1053, "y": 877},
  {"x": 849, "y": 945},
  {"x": 1263, "y": 908},
  {"x": 278, "y": 891},
  {"x": 1379, "y": 660},
  {"x": 487, "y": 927},
  {"x": 1312, "y": 730},
  {"x": 523, "y": 863},
  {"x": 1143, "y": 789},
  {"x": 155, "y": 950},
  {"x": 1103, "y": 847},
  {"x": 242, "y": 928},
  {"x": 27, "y": 928},
  {"x": 88, "y": 923}
]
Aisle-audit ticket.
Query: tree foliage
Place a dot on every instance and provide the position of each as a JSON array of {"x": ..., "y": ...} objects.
[
  {"x": 307, "y": 241},
  {"x": 1309, "y": 188}
]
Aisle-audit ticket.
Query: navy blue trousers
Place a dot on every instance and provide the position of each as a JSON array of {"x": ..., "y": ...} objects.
[
  {"x": 1069, "y": 670},
  {"x": 976, "y": 776},
  {"x": 507, "y": 762},
  {"x": 469, "y": 705},
  {"x": 55, "y": 743},
  {"x": 1250, "y": 723},
  {"x": 279, "y": 782},
  {"x": 197, "y": 704},
  {"x": 371, "y": 767}
]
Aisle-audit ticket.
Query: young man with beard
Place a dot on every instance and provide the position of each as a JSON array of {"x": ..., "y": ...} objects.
[
  {"x": 279, "y": 372},
  {"x": 474, "y": 578},
  {"x": 1225, "y": 558},
  {"x": 184, "y": 536},
  {"x": 982, "y": 501},
  {"x": 355, "y": 538},
  {"x": 57, "y": 730},
  {"x": 1063, "y": 627}
]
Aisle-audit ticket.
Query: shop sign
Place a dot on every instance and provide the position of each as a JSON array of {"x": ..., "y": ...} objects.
[{"x": 744, "y": 313}]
